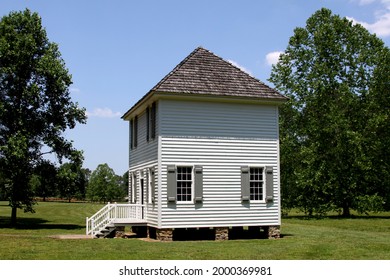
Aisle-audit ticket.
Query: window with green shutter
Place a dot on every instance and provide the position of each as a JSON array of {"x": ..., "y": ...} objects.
[
  {"x": 185, "y": 183},
  {"x": 256, "y": 183}
]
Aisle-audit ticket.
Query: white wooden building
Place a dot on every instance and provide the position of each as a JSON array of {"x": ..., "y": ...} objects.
[{"x": 204, "y": 151}]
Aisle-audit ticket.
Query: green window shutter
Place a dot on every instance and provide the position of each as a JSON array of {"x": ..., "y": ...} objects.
[
  {"x": 131, "y": 130},
  {"x": 269, "y": 183},
  {"x": 135, "y": 132},
  {"x": 147, "y": 124},
  {"x": 245, "y": 188},
  {"x": 153, "y": 183},
  {"x": 198, "y": 174},
  {"x": 153, "y": 116},
  {"x": 171, "y": 183}
]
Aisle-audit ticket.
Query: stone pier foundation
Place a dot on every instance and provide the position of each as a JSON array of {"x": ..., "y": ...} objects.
[
  {"x": 221, "y": 233},
  {"x": 273, "y": 232},
  {"x": 119, "y": 231},
  {"x": 164, "y": 234}
]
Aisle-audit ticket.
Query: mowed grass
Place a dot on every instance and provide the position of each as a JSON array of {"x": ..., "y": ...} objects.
[{"x": 361, "y": 237}]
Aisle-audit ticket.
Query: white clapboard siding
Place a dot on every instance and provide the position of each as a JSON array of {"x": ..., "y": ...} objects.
[
  {"x": 141, "y": 158},
  {"x": 222, "y": 204},
  {"x": 145, "y": 151},
  {"x": 211, "y": 119},
  {"x": 221, "y": 137},
  {"x": 151, "y": 209}
]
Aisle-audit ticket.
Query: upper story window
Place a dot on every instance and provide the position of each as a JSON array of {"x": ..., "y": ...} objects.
[
  {"x": 134, "y": 132},
  {"x": 151, "y": 122}
]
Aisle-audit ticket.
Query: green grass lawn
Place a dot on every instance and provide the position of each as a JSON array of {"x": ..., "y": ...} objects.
[{"x": 361, "y": 237}]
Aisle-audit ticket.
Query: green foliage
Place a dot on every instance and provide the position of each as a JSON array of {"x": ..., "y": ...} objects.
[
  {"x": 333, "y": 126},
  {"x": 35, "y": 104},
  {"x": 44, "y": 180},
  {"x": 104, "y": 185},
  {"x": 71, "y": 181}
]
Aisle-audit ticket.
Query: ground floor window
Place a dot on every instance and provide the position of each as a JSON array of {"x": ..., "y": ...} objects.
[
  {"x": 184, "y": 183},
  {"x": 256, "y": 183}
]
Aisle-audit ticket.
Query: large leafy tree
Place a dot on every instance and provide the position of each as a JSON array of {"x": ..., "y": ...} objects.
[
  {"x": 71, "y": 181},
  {"x": 104, "y": 185},
  {"x": 336, "y": 76},
  {"x": 35, "y": 105},
  {"x": 44, "y": 180}
]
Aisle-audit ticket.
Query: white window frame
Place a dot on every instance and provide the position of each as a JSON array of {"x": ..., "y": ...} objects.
[
  {"x": 260, "y": 181},
  {"x": 192, "y": 184}
]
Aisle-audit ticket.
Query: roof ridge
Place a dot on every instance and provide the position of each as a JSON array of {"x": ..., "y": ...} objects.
[
  {"x": 204, "y": 73},
  {"x": 177, "y": 67}
]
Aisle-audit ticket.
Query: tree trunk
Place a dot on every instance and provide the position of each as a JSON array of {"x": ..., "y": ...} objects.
[
  {"x": 346, "y": 211},
  {"x": 13, "y": 216}
]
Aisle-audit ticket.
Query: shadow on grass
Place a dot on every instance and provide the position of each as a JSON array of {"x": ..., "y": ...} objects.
[
  {"x": 336, "y": 217},
  {"x": 35, "y": 224}
]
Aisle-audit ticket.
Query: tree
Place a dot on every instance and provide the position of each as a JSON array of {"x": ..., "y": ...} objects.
[
  {"x": 104, "y": 185},
  {"x": 44, "y": 180},
  {"x": 328, "y": 72},
  {"x": 35, "y": 105},
  {"x": 71, "y": 181}
]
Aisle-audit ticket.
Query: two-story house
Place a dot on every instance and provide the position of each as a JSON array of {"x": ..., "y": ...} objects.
[{"x": 204, "y": 151}]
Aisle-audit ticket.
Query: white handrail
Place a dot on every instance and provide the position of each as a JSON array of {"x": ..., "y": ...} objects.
[{"x": 111, "y": 212}]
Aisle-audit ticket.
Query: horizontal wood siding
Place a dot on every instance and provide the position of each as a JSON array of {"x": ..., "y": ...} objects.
[
  {"x": 216, "y": 120},
  {"x": 220, "y": 137},
  {"x": 151, "y": 209},
  {"x": 141, "y": 159},
  {"x": 145, "y": 151}
]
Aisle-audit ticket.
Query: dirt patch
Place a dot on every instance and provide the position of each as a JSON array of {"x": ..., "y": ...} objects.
[
  {"x": 71, "y": 236},
  {"x": 148, "y": 239}
]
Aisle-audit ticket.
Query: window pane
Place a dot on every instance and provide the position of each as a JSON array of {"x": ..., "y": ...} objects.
[
  {"x": 184, "y": 183},
  {"x": 256, "y": 183}
]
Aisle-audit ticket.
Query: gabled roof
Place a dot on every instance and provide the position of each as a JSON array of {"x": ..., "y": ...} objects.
[{"x": 204, "y": 73}]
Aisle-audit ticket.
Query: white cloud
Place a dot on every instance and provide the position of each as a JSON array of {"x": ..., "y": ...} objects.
[
  {"x": 381, "y": 25},
  {"x": 272, "y": 57},
  {"x": 240, "y": 66},
  {"x": 103, "y": 113},
  {"x": 365, "y": 2}
]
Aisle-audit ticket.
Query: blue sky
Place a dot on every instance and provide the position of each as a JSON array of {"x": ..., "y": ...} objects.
[{"x": 117, "y": 50}]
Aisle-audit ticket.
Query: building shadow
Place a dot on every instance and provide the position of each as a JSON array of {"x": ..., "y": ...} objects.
[{"x": 35, "y": 224}]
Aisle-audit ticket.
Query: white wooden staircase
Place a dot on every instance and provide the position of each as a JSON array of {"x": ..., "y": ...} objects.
[{"x": 104, "y": 222}]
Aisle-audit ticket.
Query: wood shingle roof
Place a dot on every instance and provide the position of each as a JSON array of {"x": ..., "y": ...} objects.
[{"x": 204, "y": 73}]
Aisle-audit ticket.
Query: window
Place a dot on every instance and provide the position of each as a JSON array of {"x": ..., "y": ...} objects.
[
  {"x": 184, "y": 183},
  {"x": 256, "y": 183},
  {"x": 134, "y": 133},
  {"x": 151, "y": 122},
  {"x": 147, "y": 124}
]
